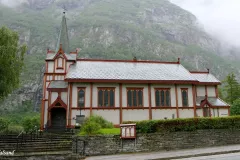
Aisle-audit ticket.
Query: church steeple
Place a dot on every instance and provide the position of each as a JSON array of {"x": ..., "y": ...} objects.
[{"x": 63, "y": 36}]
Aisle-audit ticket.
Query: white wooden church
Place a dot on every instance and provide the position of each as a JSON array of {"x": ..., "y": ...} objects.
[{"x": 123, "y": 90}]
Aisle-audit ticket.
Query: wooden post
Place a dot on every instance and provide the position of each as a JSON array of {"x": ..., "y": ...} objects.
[
  {"x": 194, "y": 99},
  {"x": 150, "y": 101},
  {"x": 120, "y": 103},
  {"x": 176, "y": 93},
  {"x": 91, "y": 92}
]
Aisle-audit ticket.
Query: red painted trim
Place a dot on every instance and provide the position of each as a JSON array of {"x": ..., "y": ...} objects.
[
  {"x": 133, "y": 81},
  {"x": 58, "y": 100},
  {"x": 150, "y": 101},
  {"x": 186, "y": 108},
  {"x": 84, "y": 89},
  {"x": 216, "y": 91},
  {"x": 46, "y": 69},
  {"x": 206, "y": 91},
  {"x": 91, "y": 98},
  {"x": 120, "y": 103},
  {"x": 129, "y": 61},
  {"x": 199, "y": 72},
  {"x": 70, "y": 104},
  {"x": 129, "y": 108},
  {"x": 176, "y": 94},
  {"x": 194, "y": 99},
  {"x": 55, "y": 74},
  {"x": 42, "y": 115},
  {"x": 133, "y": 88},
  {"x": 96, "y": 108},
  {"x": 57, "y": 89}
]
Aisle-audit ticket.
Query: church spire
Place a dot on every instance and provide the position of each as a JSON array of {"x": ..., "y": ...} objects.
[{"x": 63, "y": 36}]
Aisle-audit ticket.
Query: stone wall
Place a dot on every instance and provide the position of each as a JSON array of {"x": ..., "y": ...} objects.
[{"x": 102, "y": 145}]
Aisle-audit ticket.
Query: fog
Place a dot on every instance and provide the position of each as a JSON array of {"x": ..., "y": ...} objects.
[
  {"x": 220, "y": 18},
  {"x": 11, "y": 3}
]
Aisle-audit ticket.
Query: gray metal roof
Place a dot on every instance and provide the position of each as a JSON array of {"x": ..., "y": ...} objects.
[
  {"x": 205, "y": 77},
  {"x": 212, "y": 100},
  {"x": 58, "y": 84},
  {"x": 112, "y": 70}
]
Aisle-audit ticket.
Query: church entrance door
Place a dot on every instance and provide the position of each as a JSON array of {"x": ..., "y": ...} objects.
[{"x": 58, "y": 118}]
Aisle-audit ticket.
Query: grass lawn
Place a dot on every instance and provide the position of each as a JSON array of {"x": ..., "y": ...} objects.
[{"x": 105, "y": 131}]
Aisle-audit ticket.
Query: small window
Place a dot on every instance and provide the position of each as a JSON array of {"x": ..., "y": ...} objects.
[
  {"x": 135, "y": 97},
  {"x": 60, "y": 62},
  {"x": 162, "y": 97},
  {"x": 106, "y": 97},
  {"x": 184, "y": 97},
  {"x": 81, "y": 97}
]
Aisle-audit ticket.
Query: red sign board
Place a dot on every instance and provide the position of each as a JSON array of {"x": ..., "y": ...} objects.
[{"x": 128, "y": 131}]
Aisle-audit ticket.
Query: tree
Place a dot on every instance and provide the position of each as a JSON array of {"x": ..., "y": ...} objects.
[
  {"x": 235, "y": 108},
  {"x": 231, "y": 88},
  {"x": 11, "y": 60}
]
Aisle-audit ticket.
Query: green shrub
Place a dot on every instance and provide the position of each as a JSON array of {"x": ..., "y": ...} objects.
[
  {"x": 91, "y": 128},
  {"x": 31, "y": 123},
  {"x": 187, "y": 124},
  {"x": 100, "y": 120},
  {"x": 93, "y": 124},
  {"x": 14, "y": 129},
  {"x": 3, "y": 124}
]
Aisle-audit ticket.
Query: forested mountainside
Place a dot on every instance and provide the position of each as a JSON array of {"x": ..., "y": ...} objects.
[{"x": 110, "y": 29}]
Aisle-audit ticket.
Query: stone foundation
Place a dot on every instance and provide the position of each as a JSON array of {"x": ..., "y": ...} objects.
[{"x": 105, "y": 145}]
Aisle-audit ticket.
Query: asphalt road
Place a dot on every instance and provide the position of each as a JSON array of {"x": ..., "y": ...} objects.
[{"x": 231, "y": 156}]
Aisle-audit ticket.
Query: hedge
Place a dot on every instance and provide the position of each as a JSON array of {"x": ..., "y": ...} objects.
[{"x": 187, "y": 124}]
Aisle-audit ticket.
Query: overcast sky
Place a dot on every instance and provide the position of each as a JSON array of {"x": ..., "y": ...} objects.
[{"x": 220, "y": 18}]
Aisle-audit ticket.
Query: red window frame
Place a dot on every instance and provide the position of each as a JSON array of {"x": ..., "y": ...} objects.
[
  {"x": 165, "y": 97},
  {"x": 84, "y": 89},
  {"x": 103, "y": 89},
  {"x": 137, "y": 89},
  {"x": 60, "y": 67}
]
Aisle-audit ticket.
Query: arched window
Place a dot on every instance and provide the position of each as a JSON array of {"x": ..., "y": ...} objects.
[
  {"x": 184, "y": 97},
  {"x": 106, "y": 97},
  {"x": 81, "y": 97},
  {"x": 60, "y": 62}
]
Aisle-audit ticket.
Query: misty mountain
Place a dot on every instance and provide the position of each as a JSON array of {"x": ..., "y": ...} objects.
[{"x": 111, "y": 29}]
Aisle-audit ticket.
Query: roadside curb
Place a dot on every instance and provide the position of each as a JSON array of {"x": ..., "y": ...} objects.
[{"x": 197, "y": 155}]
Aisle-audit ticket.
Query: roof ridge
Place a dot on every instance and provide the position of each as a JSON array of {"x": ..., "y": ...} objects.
[{"x": 128, "y": 61}]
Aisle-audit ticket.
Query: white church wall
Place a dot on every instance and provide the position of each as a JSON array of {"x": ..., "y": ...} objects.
[
  {"x": 135, "y": 114},
  {"x": 162, "y": 113},
  {"x": 110, "y": 115}
]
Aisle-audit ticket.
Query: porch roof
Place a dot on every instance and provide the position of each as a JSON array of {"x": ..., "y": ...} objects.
[
  {"x": 57, "y": 84},
  {"x": 205, "y": 77},
  {"x": 214, "y": 101}
]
